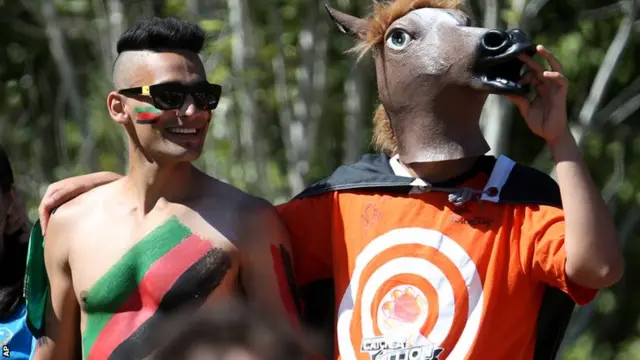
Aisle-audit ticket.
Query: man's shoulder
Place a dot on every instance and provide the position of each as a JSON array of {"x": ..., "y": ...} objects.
[
  {"x": 72, "y": 215},
  {"x": 243, "y": 210},
  {"x": 235, "y": 200},
  {"x": 529, "y": 186}
]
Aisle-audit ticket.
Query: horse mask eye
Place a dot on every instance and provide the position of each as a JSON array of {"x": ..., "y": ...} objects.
[{"x": 398, "y": 39}]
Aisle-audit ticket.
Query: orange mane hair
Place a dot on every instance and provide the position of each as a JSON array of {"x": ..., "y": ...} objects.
[{"x": 384, "y": 14}]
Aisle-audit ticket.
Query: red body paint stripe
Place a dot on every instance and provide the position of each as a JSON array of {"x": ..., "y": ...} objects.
[
  {"x": 154, "y": 285},
  {"x": 146, "y": 116},
  {"x": 283, "y": 285}
]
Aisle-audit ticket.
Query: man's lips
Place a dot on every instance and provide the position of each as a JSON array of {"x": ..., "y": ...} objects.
[{"x": 186, "y": 133}]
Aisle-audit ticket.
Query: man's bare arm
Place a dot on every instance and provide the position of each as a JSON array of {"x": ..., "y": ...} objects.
[
  {"x": 593, "y": 254},
  {"x": 62, "y": 191},
  {"x": 267, "y": 266},
  {"x": 594, "y": 257},
  {"x": 62, "y": 322}
]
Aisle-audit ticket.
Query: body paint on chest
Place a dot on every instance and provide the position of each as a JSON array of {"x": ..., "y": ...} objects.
[
  {"x": 288, "y": 290},
  {"x": 167, "y": 269},
  {"x": 147, "y": 114}
]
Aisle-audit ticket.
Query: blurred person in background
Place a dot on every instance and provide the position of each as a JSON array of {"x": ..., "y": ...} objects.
[
  {"x": 227, "y": 331},
  {"x": 15, "y": 338}
]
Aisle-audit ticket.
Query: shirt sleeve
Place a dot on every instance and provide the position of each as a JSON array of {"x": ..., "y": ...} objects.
[
  {"x": 309, "y": 223},
  {"x": 543, "y": 255}
]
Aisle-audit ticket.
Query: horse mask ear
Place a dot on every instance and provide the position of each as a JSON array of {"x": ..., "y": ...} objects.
[{"x": 349, "y": 24}]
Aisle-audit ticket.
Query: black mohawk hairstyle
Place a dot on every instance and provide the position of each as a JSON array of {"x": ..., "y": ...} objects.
[{"x": 157, "y": 34}]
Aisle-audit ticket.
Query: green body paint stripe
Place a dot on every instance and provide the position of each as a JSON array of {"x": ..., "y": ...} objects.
[
  {"x": 117, "y": 284},
  {"x": 148, "y": 109}
]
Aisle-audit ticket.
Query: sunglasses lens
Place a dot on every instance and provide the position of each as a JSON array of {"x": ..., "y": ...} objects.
[
  {"x": 168, "y": 99},
  {"x": 206, "y": 100}
]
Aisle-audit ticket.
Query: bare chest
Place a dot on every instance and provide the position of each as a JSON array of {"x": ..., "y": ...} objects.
[
  {"x": 130, "y": 275},
  {"x": 120, "y": 269}
]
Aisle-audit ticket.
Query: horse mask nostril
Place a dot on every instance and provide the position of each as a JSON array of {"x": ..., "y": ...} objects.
[{"x": 494, "y": 40}]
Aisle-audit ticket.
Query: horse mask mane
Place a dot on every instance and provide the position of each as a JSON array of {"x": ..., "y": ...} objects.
[{"x": 434, "y": 72}]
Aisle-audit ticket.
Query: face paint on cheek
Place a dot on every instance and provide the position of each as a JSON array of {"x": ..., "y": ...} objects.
[
  {"x": 286, "y": 283},
  {"x": 147, "y": 115}
]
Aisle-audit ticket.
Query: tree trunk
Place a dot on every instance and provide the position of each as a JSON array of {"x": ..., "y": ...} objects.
[
  {"x": 587, "y": 117},
  {"x": 300, "y": 115},
  {"x": 354, "y": 92},
  {"x": 606, "y": 72},
  {"x": 193, "y": 7},
  {"x": 66, "y": 69},
  {"x": 243, "y": 58},
  {"x": 496, "y": 117}
]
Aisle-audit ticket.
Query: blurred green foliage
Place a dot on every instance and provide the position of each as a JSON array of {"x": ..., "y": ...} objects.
[{"x": 47, "y": 143}]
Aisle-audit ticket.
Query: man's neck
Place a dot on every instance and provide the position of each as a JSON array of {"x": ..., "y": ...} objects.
[
  {"x": 440, "y": 171},
  {"x": 148, "y": 181}
]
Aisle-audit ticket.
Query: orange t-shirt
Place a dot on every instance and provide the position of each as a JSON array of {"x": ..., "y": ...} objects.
[{"x": 417, "y": 277}]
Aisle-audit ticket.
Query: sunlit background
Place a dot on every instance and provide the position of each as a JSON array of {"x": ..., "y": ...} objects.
[{"x": 295, "y": 106}]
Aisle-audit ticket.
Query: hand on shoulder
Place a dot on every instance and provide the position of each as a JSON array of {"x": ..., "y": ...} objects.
[{"x": 65, "y": 190}]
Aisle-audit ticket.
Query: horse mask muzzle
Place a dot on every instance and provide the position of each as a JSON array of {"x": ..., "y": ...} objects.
[{"x": 497, "y": 66}]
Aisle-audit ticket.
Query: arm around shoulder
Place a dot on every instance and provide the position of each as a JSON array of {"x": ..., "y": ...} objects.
[
  {"x": 65, "y": 190},
  {"x": 61, "y": 324}
]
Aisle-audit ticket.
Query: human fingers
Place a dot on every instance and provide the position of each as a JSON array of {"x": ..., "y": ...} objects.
[
  {"x": 554, "y": 63},
  {"x": 535, "y": 67},
  {"x": 521, "y": 102},
  {"x": 46, "y": 204},
  {"x": 556, "y": 77}
]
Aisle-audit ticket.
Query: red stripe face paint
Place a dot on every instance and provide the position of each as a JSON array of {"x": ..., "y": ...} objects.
[
  {"x": 288, "y": 290},
  {"x": 147, "y": 114}
]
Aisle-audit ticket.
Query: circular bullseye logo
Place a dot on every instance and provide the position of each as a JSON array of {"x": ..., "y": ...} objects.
[
  {"x": 402, "y": 310},
  {"x": 414, "y": 293}
]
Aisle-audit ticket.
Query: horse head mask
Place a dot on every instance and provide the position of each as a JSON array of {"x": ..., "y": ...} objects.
[{"x": 434, "y": 72}]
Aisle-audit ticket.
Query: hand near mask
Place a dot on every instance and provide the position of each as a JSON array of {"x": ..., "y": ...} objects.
[{"x": 546, "y": 115}]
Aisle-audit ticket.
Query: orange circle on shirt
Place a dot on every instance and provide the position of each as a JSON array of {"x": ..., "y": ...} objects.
[{"x": 409, "y": 299}]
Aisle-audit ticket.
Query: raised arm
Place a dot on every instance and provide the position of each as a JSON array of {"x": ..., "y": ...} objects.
[
  {"x": 594, "y": 256},
  {"x": 62, "y": 191},
  {"x": 267, "y": 267},
  {"x": 593, "y": 253},
  {"x": 62, "y": 321}
]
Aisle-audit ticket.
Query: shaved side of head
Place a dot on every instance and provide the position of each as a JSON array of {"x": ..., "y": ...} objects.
[{"x": 125, "y": 68}]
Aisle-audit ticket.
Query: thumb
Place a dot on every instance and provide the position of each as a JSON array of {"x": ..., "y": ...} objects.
[
  {"x": 44, "y": 211},
  {"x": 44, "y": 220},
  {"x": 521, "y": 102}
]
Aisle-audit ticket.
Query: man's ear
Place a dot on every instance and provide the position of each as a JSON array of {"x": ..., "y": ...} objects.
[
  {"x": 349, "y": 24},
  {"x": 115, "y": 105}
]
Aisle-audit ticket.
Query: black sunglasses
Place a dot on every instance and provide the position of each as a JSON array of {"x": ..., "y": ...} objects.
[{"x": 171, "y": 96}]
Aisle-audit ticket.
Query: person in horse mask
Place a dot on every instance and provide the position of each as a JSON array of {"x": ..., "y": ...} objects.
[
  {"x": 430, "y": 249},
  {"x": 15, "y": 338}
]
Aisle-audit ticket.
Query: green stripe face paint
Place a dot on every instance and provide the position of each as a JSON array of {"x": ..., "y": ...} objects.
[{"x": 147, "y": 114}]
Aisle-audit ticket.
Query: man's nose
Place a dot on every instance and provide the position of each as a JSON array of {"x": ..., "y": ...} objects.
[{"x": 188, "y": 108}]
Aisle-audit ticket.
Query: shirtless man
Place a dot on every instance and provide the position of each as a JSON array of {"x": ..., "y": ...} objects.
[{"x": 121, "y": 257}]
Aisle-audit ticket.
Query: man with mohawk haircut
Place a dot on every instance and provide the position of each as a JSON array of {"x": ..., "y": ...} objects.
[
  {"x": 166, "y": 237},
  {"x": 430, "y": 249}
]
